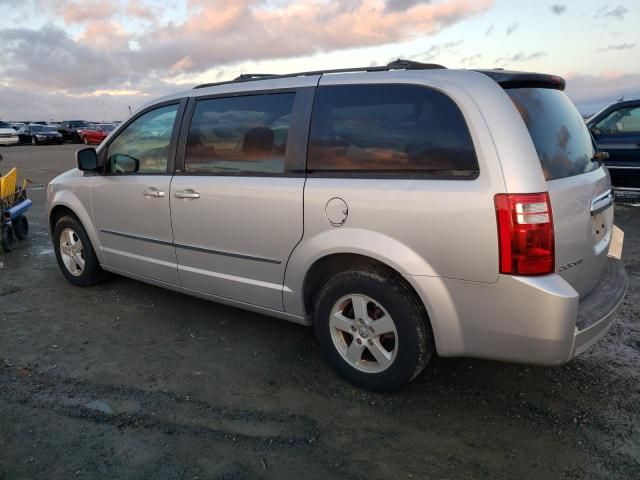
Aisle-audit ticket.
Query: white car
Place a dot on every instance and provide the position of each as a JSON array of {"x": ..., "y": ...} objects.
[{"x": 8, "y": 136}]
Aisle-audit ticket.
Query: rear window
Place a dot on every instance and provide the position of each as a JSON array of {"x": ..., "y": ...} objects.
[
  {"x": 558, "y": 131},
  {"x": 389, "y": 128}
]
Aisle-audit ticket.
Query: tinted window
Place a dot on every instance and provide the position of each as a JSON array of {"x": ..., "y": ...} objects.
[
  {"x": 623, "y": 120},
  {"x": 389, "y": 128},
  {"x": 144, "y": 142},
  {"x": 558, "y": 131},
  {"x": 239, "y": 134}
]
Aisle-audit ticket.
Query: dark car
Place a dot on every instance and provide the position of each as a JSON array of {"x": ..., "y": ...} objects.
[
  {"x": 616, "y": 130},
  {"x": 69, "y": 130},
  {"x": 36, "y": 134}
]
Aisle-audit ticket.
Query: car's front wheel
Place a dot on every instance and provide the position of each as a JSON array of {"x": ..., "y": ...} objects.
[
  {"x": 372, "y": 329},
  {"x": 75, "y": 255},
  {"x": 34, "y": 141}
]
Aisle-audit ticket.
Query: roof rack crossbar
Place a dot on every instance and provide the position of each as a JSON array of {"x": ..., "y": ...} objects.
[{"x": 395, "y": 65}]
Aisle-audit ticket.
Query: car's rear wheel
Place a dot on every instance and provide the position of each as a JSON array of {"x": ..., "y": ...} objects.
[
  {"x": 75, "y": 255},
  {"x": 372, "y": 329}
]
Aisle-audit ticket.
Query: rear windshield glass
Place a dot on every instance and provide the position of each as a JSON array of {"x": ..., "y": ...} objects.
[{"x": 558, "y": 131}]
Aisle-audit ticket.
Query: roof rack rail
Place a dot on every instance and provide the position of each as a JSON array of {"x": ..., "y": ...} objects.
[{"x": 398, "y": 64}]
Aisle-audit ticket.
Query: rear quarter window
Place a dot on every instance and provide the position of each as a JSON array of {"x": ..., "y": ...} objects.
[
  {"x": 557, "y": 129},
  {"x": 389, "y": 128}
]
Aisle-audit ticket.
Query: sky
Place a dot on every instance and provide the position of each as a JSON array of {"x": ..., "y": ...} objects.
[{"x": 93, "y": 59}]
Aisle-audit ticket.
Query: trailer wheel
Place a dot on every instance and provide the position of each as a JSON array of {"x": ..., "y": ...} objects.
[
  {"x": 21, "y": 227},
  {"x": 7, "y": 238}
]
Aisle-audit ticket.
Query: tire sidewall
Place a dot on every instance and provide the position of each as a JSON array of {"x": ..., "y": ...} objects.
[{"x": 413, "y": 335}]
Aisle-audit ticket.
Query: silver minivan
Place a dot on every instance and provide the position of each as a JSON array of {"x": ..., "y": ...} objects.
[{"x": 403, "y": 211}]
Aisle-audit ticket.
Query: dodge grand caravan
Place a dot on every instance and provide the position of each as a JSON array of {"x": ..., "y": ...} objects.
[{"x": 403, "y": 211}]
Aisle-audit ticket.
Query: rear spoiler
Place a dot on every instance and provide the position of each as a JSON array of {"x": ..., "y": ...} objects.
[{"x": 510, "y": 79}]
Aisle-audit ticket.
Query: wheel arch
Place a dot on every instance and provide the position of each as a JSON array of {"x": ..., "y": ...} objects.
[{"x": 65, "y": 205}]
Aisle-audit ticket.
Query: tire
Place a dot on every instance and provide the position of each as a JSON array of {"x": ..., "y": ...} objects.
[
  {"x": 34, "y": 141},
  {"x": 7, "y": 238},
  {"x": 80, "y": 275},
  {"x": 406, "y": 350},
  {"x": 21, "y": 227}
]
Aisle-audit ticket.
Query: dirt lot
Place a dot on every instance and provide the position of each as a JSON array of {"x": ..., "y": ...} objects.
[{"x": 126, "y": 380}]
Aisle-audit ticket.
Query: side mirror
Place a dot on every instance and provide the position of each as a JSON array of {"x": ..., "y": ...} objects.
[
  {"x": 124, "y": 164},
  {"x": 87, "y": 159}
]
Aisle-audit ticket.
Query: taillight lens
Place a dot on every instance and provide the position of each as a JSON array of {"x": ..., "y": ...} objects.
[{"x": 525, "y": 234}]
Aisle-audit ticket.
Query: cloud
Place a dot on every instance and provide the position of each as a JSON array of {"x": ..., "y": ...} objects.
[
  {"x": 558, "y": 9},
  {"x": 245, "y": 31},
  {"x": 101, "y": 45},
  {"x": 471, "y": 59},
  {"x": 84, "y": 10},
  {"x": 592, "y": 92},
  {"x": 398, "y": 5},
  {"x": 437, "y": 50},
  {"x": 521, "y": 57},
  {"x": 512, "y": 28},
  {"x": 621, "y": 46},
  {"x": 612, "y": 12},
  {"x": 136, "y": 8}
]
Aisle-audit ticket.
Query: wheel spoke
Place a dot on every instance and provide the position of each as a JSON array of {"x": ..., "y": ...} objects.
[
  {"x": 383, "y": 325},
  {"x": 339, "y": 321},
  {"x": 354, "y": 352},
  {"x": 79, "y": 260},
  {"x": 360, "y": 307},
  {"x": 379, "y": 353}
]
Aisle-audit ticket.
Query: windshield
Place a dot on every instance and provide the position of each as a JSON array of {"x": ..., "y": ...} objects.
[
  {"x": 559, "y": 133},
  {"x": 78, "y": 124},
  {"x": 5, "y": 125}
]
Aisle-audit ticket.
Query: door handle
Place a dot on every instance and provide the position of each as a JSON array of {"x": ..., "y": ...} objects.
[
  {"x": 188, "y": 193},
  {"x": 152, "y": 192}
]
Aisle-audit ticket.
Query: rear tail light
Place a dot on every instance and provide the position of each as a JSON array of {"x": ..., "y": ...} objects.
[{"x": 525, "y": 234}]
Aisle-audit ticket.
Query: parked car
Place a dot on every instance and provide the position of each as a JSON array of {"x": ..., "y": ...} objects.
[
  {"x": 95, "y": 133},
  {"x": 37, "y": 134},
  {"x": 616, "y": 130},
  {"x": 401, "y": 210},
  {"x": 69, "y": 129},
  {"x": 8, "y": 135}
]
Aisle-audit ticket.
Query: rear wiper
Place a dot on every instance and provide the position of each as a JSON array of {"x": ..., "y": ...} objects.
[{"x": 600, "y": 156}]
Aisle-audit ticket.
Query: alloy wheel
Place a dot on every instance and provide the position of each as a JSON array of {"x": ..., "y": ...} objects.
[
  {"x": 72, "y": 252},
  {"x": 364, "y": 333}
]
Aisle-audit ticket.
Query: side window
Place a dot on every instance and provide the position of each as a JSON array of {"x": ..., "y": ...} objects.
[
  {"x": 623, "y": 120},
  {"x": 143, "y": 146},
  {"x": 246, "y": 134},
  {"x": 400, "y": 128}
]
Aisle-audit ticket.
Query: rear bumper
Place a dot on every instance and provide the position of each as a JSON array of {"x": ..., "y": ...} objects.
[
  {"x": 597, "y": 311},
  {"x": 533, "y": 320}
]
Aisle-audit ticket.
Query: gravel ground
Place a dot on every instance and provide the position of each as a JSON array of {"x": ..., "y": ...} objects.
[{"x": 126, "y": 380}]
